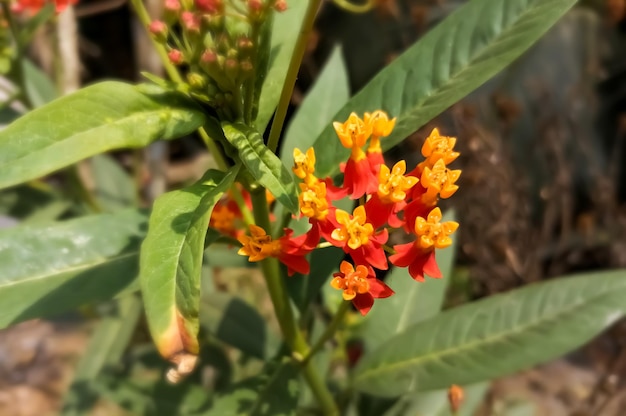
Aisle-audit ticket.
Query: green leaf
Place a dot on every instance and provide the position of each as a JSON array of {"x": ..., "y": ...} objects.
[
  {"x": 50, "y": 268},
  {"x": 105, "y": 348},
  {"x": 460, "y": 54},
  {"x": 106, "y": 116},
  {"x": 413, "y": 301},
  {"x": 285, "y": 27},
  {"x": 171, "y": 262},
  {"x": 264, "y": 165},
  {"x": 272, "y": 393},
  {"x": 435, "y": 403},
  {"x": 233, "y": 321},
  {"x": 495, "y": 336},
  {"x": 330, "y": 91},
  {"x": 39, "y": 87},
  {"x": 114, "y": 189}
]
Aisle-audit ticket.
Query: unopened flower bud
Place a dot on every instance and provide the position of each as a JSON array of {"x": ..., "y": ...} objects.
[
  {"x": 210, "y": 6},
  {"x": 208, "y": 57},
  {"x": 244, "y": 44},
  {"x": 455, "y": 397},
  {"x": 255, "y": 5},
  {"x": 232, "y": 53},
  {"x": 190, "y": 21},
  {"x": 159, "y": 30},
  {"x": 231, "y": 64},
  {"x": 280, "y": 5},
  {"x": 246, "y": 66},
  {"x": 172, "y": 6},
  {"x": 196, "y": 81},
  {"x": 176, "y": 56}
]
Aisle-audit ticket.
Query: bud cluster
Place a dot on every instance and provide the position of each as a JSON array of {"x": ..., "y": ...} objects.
[{"x": 217, "y": 41}]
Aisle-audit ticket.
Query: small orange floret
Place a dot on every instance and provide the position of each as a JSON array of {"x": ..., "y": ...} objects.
[
  {"x": 353, "y": 134},
  {"x": 223, "y": 219},
  {"x": 303, "y": 163},
  {"x": 438, "y": 147},
  {"x": 431, "y": 232},
  {"x": 352, "y": 282},
  {"x": 439, "y": 180},
  {"x": 313, "y": 202},
  {"x": 379, "y": 123},
  {"x": 393, "y": 184},
  {"x": 258, "y": 246},
  {"x": 354, "y": 230}
]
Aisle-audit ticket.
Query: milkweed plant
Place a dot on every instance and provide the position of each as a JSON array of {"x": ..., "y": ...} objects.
[{"x": 312, "y": 203}]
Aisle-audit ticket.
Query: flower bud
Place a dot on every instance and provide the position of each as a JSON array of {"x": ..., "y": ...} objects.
[
  {"x": 210, "y": 6},
  {"x": 172, "y": 6},
  {"x": 176, "y": 57},
  {"x": 190, "y": 21},
  {"x": 455, "y": 397},
  {"x": 159, "y": 30},
  {"x": 255, "y": 6},
  {"x": 196, "y": 80},
  {"x": 280, "y": 5}
]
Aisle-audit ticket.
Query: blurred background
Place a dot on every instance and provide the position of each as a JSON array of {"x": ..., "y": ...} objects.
[{"x": 542, "y": 191}]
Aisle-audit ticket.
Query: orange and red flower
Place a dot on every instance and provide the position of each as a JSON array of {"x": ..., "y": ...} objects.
[{"x": 360, "y": 286}]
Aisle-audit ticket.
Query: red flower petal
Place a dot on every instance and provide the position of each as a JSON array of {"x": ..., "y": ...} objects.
[{"x": 363, "y": 302}]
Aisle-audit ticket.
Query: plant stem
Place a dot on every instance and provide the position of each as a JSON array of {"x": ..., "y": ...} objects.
[
  {"x": 18, "y": 61},
  {"x": 145, "y": 20},
  {"x": 219, "y": 157},
  {"x": 355, "y": 8},
  {"x": 282, "y": 308},
  {"x": 292, "y": 74},
  {"x": 330, "y": 329}
]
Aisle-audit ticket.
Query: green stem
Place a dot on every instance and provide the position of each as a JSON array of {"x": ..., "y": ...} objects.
[
  {"x": 248, "y": 100},
  {"x": 18, "y": 62},
  {"x": 145, "y": 20},
  {"x": 355, "y": 8},
  {"x": 330, "y": 329},
  {"x": 282, "y": 308},
  {"x": 215, "y": 150},
  {"x": 292, "y": 74}
]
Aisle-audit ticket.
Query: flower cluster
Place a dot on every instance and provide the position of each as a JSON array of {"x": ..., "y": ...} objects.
[
  {"x": 388, "y": 198},
  {"x": 217, "y": 41}
]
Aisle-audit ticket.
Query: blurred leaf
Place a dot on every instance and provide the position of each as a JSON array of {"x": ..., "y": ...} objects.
[
  {"x": 105, "y": 116},
  {"x": 285, "y": 27},
  {"x": 171, "y": 262},
  {"x": 39, "y": 87},
  {"x": 330, "y": 91},
  {"x": 264, "y": 165},
  {"x": 30, "y": 203},
  {"x": 234, "y": 322},
  {"x": 450, "y": 61},
  {"x": 114, "y": 188},
  {"x": 495, "y": 336},
  {"x": 413, "y": 301},
  {"x": 435, "y": 403},
  {"x": 50, "y": 268},
  {"x": 222, "y": 255},
  {"x": 106, "y": 348},
  {"x": 273, "y": 393}
]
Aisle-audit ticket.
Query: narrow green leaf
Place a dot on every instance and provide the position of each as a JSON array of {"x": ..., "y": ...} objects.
[
  {"x": 105, "y": 348},
  {"x": 285, "y": 27},
  {"x": 330, "y": 91},
  {"x": 264, "y": 165},
  {"x": 272, "y": 393},
  {"x": 413, "y": 301},
  {"x": 233, "y": 321},
  {"x": 39, "y": 87},
  {"x": 102, "y": 117},
  {"x": 50, "y": 268},
  {"x": 114, "y": 189},
  {"x": 171, "y": 264},
  {"x": 460, "y": 54},
  {"x": 495, "y": 336}
]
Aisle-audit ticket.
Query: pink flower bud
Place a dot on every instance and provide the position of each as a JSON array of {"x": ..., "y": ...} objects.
[
  {"x": 176, "y": 56},
  {"x": 210, "y": 6},
  {"x": 280, "y": 5},
  {"x": 158, "y": 28},
  {"x": 172, "y": 6},
  {"x": 208, "y": 56},
  {"x": 190, "y": 21},
  {"x": 255, "y": 5}
]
